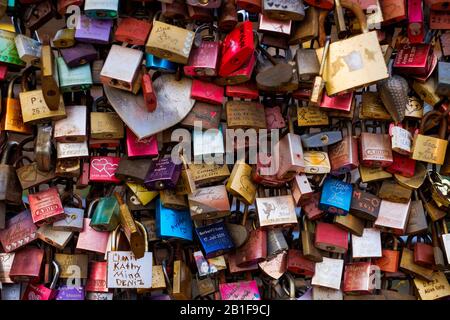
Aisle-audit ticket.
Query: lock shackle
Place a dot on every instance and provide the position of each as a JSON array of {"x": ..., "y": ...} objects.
[
  {"x": 291, "y": 281},
  {"x": 442, "y": 122},
  {"x": 143, "y": 232},
  {"x": 7, "y": 151},
  {"x": 28, "y": 74},
  {"x": 56, "y": 275},
  {"x": 213, "y": 30},
  {"x": 358, "y": 12},
  {"x": 444, "y": 227},
  {"x": 24, "y": 142},
  {"x": 91, "y": 206},
  {"x": 20, "y": 160},
  {"x": 11, "y": 84}
]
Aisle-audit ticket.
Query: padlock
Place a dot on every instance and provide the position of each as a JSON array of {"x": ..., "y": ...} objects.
[
  {"x": 331, "y": 238},
  {"x": 297, "y": 264},
  {"x": 105, "y": 125},
  {"x": 368, "y": 245},
  {"x": 163, "y": 175},
  {"x": 357, "y": 278},
  {"x": 148, "y": 91},
  {"x": 93, "y": 31},
  {"x": 284, "y": 9},
  {"x": 328, "y": 273},
  {"x": 182, "y": 281},
  {"x": 430, "y": 149},
  {"x": 133, "y": 169},
  {"x": 18, "y": 232},
  {"x": 106, "y": 215},
  {"x": 278, "y": 211},
  {"x": 368, "y": 71},
  {"x": 376, "y": 150},
  {"x": 55, "y": 238},
  {"x": 308, "y": 29},
  {"x": 393, "y": 11},
  {"x": 344, "y": 154},
  {"x": 208, "y": 114},
  {"x": 402, "y": 165},
  {"x": 202, "y": 15},
  {"x": 308, "y": 247},
  {"x": 38, "y": 14},
  {"x": 364, "y": 205},
  {"x": 443, "y": 86},
  {"x": 125, "y": 78},
  {"x": 207, "y": 92},
  {"x": 423, "y": 251},
  {"x": 103, "y": 168},
  {"x": 307, "y": 64},
  {"x": 72, "y": 150},
  {"x": 64, "y": 38},
  {"x": 33, "y": 105},
  {"x": 133, "y": 31},
  {"x": 372, "y": 107},
  {"x": 98, "y": 9},
  {"x": 136, "y": 148},
  {"x": 228, "y": 16},
  {"x": 29, "y": 175},
  {"x": 209, "y": 203},
  {"x": 161, "y": 40},
  {"x": 154, "y": 63},
  {"x": 393, "y": 216},
  {"x": 336, "y": 196},
  {"x": 97, "y": 277},
  {"x": 12, "y": 119},
  {"x": 90, "y": 239},
  {"x": 213, "y": 4},
  {"x": 254, "y": 250},
  {"x": 401, "y": 140},
  {"x": 414, "y": 59},
  {"x": 427, "y": 90},
  {"x": 74, "y": 127},
  {"x": 322, "y": 4},
  {"x": 204, "y": 58},
  {"x": 74, "y": 216},
  {"x": 171, "y": 223},
  {"x": 390, "y": 259},
  {"x": 321, "y": 139},
  {"x": 251, "y": 6},
  {"x": 416, "y": 32},
  {"x": 301, "y": 189},
  {"x": 273, "y": 26},
  {"x": 239, "y": 76},
  {"x": 29, "y": 49},
  {"x": 68, "y": 168},
  {"x": 237, "y": 48},
  {"x": 408, "y": 265},
  {"x": 215, "y": 239},
  {"x": 254, "y": 115},
  {"x": 78, "y": 55},
  {"x": 74, "y": 79},
  {"x": 46, "y": 207},
  {"x": 206, "y": 174},
  {"x": 240, "y": 184},
  {"x": 27, "y": 264},
  {"x": 8, "y": 45},
  {"x": 392, "y": 191}
]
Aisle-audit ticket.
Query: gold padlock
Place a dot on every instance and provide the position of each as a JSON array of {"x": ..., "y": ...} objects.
[
  {"x": 240, "y": 183},
  {"x": 49, "y": 78},
  {"x": 33, "y": 105},
  {"x": 430, "y": 149}
]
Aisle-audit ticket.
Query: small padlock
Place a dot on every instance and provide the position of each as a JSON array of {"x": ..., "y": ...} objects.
[
  {"x": 99, "y": 9},
  {"x": 78, "y": 55},
  {"x": 93, "y": 31}
]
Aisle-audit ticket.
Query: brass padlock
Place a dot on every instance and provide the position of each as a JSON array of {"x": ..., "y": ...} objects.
[{"x": 49, "y": 78}]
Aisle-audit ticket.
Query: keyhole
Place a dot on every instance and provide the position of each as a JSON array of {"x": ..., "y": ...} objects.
[{"x": 324, "y": 139}]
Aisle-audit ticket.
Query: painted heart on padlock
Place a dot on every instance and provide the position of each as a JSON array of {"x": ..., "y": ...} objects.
[
  {"x": 33, "y": 296},
  {"x": 99, "y": 164},
  {"x": 28, "y": 174},
  {"x": 110, "y": 169}
]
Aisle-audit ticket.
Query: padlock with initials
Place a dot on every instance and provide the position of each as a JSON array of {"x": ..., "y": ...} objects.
[
  {"x": 336, "y": 196},
  {"x": 204, "y": 58}
]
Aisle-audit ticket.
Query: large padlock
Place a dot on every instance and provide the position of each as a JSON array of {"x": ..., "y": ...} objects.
[
  {"x": 74, "y": 79},
  {"x": 376, "y": 150}
]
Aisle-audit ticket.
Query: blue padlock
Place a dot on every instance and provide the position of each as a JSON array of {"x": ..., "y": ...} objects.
[
  {"x": 336, "y": 196},
  {"x": 172, "y": 223},
  {"x": 215, "y": 239},
  {"x": 159, "y": 64}
]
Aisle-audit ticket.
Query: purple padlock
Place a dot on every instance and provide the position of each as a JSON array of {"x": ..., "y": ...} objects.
[
  {"x": 70, "y": 293},
  {"x": 163, "y": 175},
  {"x": 81, "y": 53},
  {"x": 93, "y": 30}
]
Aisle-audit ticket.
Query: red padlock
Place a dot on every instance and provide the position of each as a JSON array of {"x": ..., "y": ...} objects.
[
  {"x": 402, "y": 165},
  {"x": 330, "y": 237},
  {"x": 133, "y": 31},
  {"x": 3, "y": 72},
  {"x": 148, "y": 92},
  {"x": 46, "y": 207},
  {"x": 102, "y": 169},
  {"x": 207, "y": 92},
  {"x": 416, "y": 30},
  {"x": 246, "y": 90},
  {"x": 238, "y": 47},
  {"x": 40, "y": 291},
  {"x": 298, "y": 264}
]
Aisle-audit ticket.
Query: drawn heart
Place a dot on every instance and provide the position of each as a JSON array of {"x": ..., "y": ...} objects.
[
  {"x": 110, "y": 169},
  {"x": 99, "y": 164},
  {"x": 33, "y": 296},
  {"x": 8, "y": 247},
  {"x": 33, "y": 235},
  {"x": 20, "y": 242},
  {"x": 213, "y": 114},
  {"x": 27, "y": 239}
]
